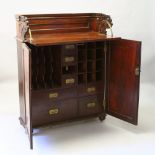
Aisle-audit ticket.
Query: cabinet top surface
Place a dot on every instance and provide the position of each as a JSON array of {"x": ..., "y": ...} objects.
[
  {"x": 50, "y": 29},
  {"x": 48, "y": 39}
]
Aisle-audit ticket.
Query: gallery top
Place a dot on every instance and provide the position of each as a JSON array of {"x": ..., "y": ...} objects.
[{"x": 52, "y": 29}]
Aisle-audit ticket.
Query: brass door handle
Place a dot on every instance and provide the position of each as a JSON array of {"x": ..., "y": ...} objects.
[{"x": 137, "y": 71}]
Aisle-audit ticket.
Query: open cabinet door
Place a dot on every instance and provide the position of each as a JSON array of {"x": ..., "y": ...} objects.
[
  {"x": 123, "y": 80},
  {"x": 27, "y": 85}
]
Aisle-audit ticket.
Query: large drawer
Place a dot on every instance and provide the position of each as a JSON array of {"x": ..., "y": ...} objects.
[
  {"x": 91, "y": 89},
  {"x": 48, "y": 112},
  {"x": 90, "y": 105},
  {"x": 52, "y": 95}
]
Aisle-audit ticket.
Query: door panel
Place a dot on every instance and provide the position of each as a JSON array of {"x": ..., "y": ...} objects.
[
  {"x": 27, "y": 82},
  {"x": 123, "y": 80}
]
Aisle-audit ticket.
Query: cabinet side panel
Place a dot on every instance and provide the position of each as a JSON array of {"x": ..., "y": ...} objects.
[
  {"x": 123, "y": 80},
  {"x": 27, "y": 86},
  {"x": 21, "y": 82}
]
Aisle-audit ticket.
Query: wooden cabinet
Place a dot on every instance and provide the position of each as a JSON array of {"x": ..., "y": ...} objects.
[{"x": 70, "y": 69}]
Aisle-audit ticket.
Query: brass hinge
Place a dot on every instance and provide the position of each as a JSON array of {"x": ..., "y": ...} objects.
[{"x": 30, "y": 35}]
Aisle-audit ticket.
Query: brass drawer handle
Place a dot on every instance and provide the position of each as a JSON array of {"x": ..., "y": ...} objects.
[
  {"x": 68, "y": 47},
  {"x": 70, "y": 81},
  {"x": 69, "y": 59},
  {"x": 53, "y": 95},
  {"x": 53, "y": 111},
  {"x": 91, "y": 105},
  {"x": 91, "y": 89}
]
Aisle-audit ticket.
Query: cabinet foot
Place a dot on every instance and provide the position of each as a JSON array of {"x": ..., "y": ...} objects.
[{"x": 102, "y": 117}]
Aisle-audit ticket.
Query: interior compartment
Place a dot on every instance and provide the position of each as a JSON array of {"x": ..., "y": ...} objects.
[
  {"x": 69, "y": 69},
  {"x": 90, "y": 54},
  {"x": 81, "y": 55},
  {"x": 90, "y": 66},
  {"x": 91, "y": 77},
  {"x": 81, "y": 78},
  {"x": 99, "y": 53},
  {"x": 99, "y": 76},
  {"x": 99, "y": 65},
  {"x": 81, "y": 67},
  {"x": 46, "y": 67},
  {"x": 100, "y": 44},
  {"x": 91, "y": 45},
  {"x": 81, "y": 46}
]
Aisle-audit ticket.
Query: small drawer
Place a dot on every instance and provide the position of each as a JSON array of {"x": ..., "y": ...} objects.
[
  {"x": 69, "y": 47},
  {"x": 52, "y": 95},
  {"x": 69, "y": 80},
  {"x": 49, "y": 112},
  {"x": 69, "y": 60},
  {"x": 69, "y": 54},
  {"x": 91, "y": 105},
  {"x": 90, "y": 89}
]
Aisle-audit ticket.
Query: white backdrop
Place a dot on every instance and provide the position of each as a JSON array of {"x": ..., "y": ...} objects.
[{"x": 132, "y": 20}]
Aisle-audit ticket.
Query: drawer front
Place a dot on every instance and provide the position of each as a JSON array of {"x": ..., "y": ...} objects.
[
  {"x": 90, "y": 89},
  {"x": 91, "y": 105},
  {"x": 53, "y": 95},
  {"x": 69, "y": 54},
  {"x": 48, "y": 112},
  {"x": 69, "y": 80}
]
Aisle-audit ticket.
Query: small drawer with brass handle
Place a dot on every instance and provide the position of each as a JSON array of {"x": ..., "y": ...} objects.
[
  {"x": 90, "y": 105},
  {"x": 69, "y": 54},
  {"x": 69, "y": 47},
  {"x": 69, "y": 80},
  {"x": 91, "y": 89},
  {"x": 69, "y": 59}
]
